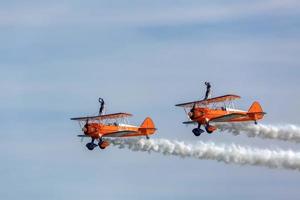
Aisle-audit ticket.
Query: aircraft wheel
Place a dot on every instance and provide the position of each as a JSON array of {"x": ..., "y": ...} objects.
[
  {"x": 197, "y": 131},
  {"x": 103, "y": 144},
  {"x": 208, "y": 130},
  {"x": 90, "y": 146}
]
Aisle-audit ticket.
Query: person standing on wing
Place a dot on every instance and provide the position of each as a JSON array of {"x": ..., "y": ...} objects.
[
  {"x": 101, "y": 101},
  {"x": 208, "y": 91}
]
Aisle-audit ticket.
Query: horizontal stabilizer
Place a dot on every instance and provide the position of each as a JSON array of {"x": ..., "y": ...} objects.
[{"x": 259, "y": 113}]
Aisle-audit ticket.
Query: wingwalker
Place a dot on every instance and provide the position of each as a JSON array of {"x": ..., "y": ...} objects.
[
  {"x": 218, "y": 109},
  {"x": 111, "y": 125}
]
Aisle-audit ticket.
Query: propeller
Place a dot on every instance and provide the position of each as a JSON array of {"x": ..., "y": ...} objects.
[
  {"x": 81, "y": 137},
  {"x": 88, "y": 129},
  {"x": 191, "y": 113},
  {"x": 84, "y": 129},
  {"x": 193, "y": 108}
]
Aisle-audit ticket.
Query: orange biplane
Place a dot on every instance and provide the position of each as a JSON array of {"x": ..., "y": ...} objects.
[
  {"x": 218, "y": 109},
  {"x": 112, "y": 125}
]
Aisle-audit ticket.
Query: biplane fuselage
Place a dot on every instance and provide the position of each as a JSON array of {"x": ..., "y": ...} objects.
[
  {"x": 97, "y": 130},
  {"x": 102, "y": 126},
  {"x": 218, "y": 110},
  {"x": 204, "y": 115}
]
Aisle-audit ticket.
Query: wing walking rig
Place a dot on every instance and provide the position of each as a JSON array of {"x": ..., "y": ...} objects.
[
  {"x": 112, "y": 125},
  {"x": 218, "y": 109}
]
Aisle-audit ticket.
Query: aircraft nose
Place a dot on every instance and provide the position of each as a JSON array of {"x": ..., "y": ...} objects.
[{"x": 89, "y": 129}]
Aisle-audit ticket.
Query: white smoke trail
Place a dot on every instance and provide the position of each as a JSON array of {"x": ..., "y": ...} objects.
[
  {"x": 223, "y": 153},
  {"x": 285, "y": 133}
]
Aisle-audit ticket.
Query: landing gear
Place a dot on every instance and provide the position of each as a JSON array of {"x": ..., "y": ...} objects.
[
  {"x": 210, "y": 129},
  {"x": 197, "y": 131},
  {"x": 103, "y": 144},
  {"x": 255, "y": 122},
  {"x": 147, "y": 137},
  {"x": 91, "y": 145},
  {"x": 100, "y": 144}
]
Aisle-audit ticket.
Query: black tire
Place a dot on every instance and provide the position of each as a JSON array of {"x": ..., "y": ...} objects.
[
  {"x": 90, "y": 146},
  {"x": 100, "y": 145},
  {"x": 197, "y": 131},
  {"x": 208, "y": 131}
]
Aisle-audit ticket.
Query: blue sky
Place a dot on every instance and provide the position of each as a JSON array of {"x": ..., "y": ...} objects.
[{"x": 142, "y": 57}]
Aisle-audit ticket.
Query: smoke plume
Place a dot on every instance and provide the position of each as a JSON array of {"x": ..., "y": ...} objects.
[
  {"x": 229, "y": 154},
  {"x": 286, "y": 133}
]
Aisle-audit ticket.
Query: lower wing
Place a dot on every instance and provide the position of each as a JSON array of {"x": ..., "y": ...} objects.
[
  {"x": 189, "y": 122},
  {"x": 114, "y": 134},
  {"x": 226, "y": 118},
  {"x": 120, "y": 133}
]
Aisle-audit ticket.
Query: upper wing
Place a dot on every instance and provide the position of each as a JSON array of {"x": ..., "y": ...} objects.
[
  {"x": 228, "y": 117},
  {"x": 102, "y": 117},
  {"x": 229, "y": 97}
]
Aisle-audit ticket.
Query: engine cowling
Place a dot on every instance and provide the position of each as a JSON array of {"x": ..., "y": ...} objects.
[{"x": 89, "y": 129}]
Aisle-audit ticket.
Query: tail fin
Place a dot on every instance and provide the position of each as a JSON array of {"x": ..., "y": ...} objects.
[
  {"x": 148, "y": 123},
  {"x": 255, "y": 108},
  {"x": 255, "y": 112},
  {"x": 147, "y": 127}
]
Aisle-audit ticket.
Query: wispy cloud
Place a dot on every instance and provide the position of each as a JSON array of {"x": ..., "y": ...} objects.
[
  {"x": 175, "y": 15},
  {"x": 57, "y": 14},
  {"x": 33, "y": 16}
]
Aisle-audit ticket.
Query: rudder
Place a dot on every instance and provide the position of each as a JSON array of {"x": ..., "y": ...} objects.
[
  {"x": 148, "y": 123},
  {"x": 147, "y": 127},
  {"x": 255, "y": 112},
  {"x": 255, "y": 108}
]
